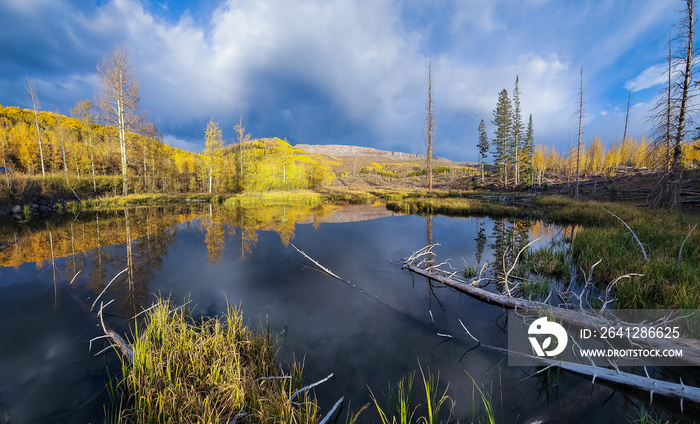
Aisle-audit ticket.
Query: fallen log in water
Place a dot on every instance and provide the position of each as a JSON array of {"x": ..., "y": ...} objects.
[
  {"x": 651, "y": 385},
  {"x": 579, "y": 317}
]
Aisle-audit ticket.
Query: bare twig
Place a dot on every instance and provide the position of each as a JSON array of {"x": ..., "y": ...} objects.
[
  {"x": 515, "y": 262},
  {"x": 77, "y": 273},
  {"x": 283, "y": 377},
  {"x": 644, "y": 253},
  {"x": 310, "y": 386},
  {"x": 105, "y": 289},
  {"x": 332, "y": 411},
  {"x": 321, "y": 267},
  {"x": 683, "y": 244},
  {"x": 470, "y": 334}
]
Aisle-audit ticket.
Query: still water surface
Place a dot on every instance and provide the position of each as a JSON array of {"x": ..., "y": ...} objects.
[{"x": 373, "y": 331}]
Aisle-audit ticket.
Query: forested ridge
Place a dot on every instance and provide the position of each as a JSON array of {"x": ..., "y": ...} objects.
[{"x": 80, "y": 151}]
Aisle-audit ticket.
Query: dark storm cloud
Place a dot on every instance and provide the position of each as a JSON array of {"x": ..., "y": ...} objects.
[{"x": 346, "y": 71}]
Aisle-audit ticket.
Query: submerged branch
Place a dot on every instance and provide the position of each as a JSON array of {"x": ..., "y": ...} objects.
[{"x": 320, "y": 267}]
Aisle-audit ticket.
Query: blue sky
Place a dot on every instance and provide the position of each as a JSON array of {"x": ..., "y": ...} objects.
[{"x": 349, "y": 71}]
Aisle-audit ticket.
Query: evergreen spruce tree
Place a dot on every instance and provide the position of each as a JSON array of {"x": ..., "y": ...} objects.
[
  {"x": 516, "y": 134},
  {"x": 502, "y": 120},
  {"x": 483, "y": 146}
]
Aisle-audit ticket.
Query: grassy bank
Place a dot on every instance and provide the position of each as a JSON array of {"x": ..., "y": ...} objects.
[
  {"x": 670, "y": 277},
  {"x": 23, "y": 189},
  {"x": 214, "y": 371},
  {"x": 304, "y": 197},
  {"x": 453, "y": 206}
]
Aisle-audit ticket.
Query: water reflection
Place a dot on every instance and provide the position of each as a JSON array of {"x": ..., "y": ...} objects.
[{"x": 367, "y": 334}]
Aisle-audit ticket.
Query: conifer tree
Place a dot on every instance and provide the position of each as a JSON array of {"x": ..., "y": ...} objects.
[
  {"x": 502, "y": 120},
  {"x": 483, "y": 146}
]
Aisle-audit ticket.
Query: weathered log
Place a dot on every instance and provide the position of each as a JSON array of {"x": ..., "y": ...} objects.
[
  {"x": 651, "y": 385},
  {"x": 579, "y": 317},
  {"x": 121, "y": 344}
]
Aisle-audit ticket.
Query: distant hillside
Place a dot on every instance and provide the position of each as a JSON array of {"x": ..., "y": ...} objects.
[
  {"x": 341, "y": 151},
  {"x": 338, "y": 151}
]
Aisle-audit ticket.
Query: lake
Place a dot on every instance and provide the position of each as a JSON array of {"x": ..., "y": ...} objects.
[{"x": 376, "y": 327}]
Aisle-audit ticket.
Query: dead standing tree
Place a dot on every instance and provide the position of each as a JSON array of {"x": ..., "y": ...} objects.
[
  {"x": 119, "y": 99},
  {"x": 429, "y": 130},
  {"x": 677, "y": 111},
  {"x": 35, "y": 106},
  {"x": 580, "y": 127}
]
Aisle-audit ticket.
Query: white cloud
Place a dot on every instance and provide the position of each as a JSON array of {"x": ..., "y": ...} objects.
[
  {"x": 547, "y": 87},
  {"x": 181, "y": 144},
  {"x": 650, "y": 77}
]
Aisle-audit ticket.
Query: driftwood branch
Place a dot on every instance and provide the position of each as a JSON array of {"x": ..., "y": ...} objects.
[
  {"x": 320, "y": 267},
  {"x": 118, "y": 341},
  {"x": 664, "y": 388},
  {"x": 578, "y": 317},
  {"x": 310, "y": 386},
  {"x": 332, "y": 411}
]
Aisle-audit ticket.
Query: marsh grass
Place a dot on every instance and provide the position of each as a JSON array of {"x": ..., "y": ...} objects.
[
  {"x": 309, "y": 198},
  {"x": 670, "y": 277},
  {"x": 401, "y": 409},
  {"x": 453, "y": 206},
  {"x": 550, "y": 262},
  {"x": 209, "y": 371},
  {"x": 537, "y": 286},
  {"x": 646, "y": 417}
]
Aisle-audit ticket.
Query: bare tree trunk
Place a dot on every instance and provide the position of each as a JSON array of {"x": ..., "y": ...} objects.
[
  {"x": 668, "y": 111},
  {"x": 63, "y": 152},
  {"x": 75, "y": 159},
  {"x": 429, "y": 128},
  {"x": 129, "y": 251},
  {"x": 119, "y": 100},
  {"x": 35, "y": 106},
  {"x": 578, "y": 146},
  {"x": 627, "y": 116},
  {"x": 669, "y": 185}
]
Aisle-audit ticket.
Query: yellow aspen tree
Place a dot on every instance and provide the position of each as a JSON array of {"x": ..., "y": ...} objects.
[
  {"x": 83, "y": 112},
  {"x": 119, "y": 99},
  {"x": 538, "y": 161},
  {"x": 594, "y": 156},
  {"x": 641, "y": 153},
  {"x": 213, "y": 145}
]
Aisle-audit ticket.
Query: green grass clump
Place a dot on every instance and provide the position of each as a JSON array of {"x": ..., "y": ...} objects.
[
  {"x": 354, "y": 197},
  {"x": 453, "y": 206},
  {"x": 209, "y": 372},
  {"x": 538, "y": 287},
  {"x": 400, "y": 408},
  {"x": 549, "y": 262},
  {"x": 309, "y": 198},
  {"x": 667, "y": 281}
]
